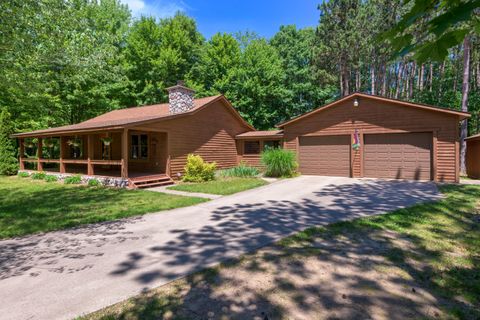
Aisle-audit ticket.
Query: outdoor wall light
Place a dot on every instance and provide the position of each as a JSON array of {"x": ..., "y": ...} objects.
[{"x": 355, "y": 103}]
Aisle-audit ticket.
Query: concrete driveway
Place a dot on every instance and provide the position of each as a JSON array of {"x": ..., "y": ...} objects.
[{"x": 60, "y": 275}]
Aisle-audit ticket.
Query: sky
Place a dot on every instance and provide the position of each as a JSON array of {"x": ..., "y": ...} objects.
[{"x": 261, "y": 16}]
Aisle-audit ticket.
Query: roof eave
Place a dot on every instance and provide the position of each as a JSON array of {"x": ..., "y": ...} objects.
[{"x": 34, "y": 134}]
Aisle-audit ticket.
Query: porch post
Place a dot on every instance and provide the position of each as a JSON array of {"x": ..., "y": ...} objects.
[
  {"x": 21, "y": 154},
  {"x": 39, "y": 154},
  {"x": 62, "y": 154},
  {"x": 90, "y": 170},
  {"x": 125, "y": 153}
]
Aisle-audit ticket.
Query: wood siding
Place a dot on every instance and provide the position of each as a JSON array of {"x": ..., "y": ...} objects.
[
  {"x": 373, "y": 116},
  {"x": 473, "y": 159},
  {"x": 209, "y": 133}
]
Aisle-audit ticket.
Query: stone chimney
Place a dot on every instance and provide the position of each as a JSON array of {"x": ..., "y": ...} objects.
[{"x": 180, "y": 98}]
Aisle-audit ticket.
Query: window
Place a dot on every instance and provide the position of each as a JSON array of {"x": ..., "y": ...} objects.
[
  {"x": 139, "y": 146},
  {"x": 272, "y": 144},
  {"x": 252, "y": 147}
]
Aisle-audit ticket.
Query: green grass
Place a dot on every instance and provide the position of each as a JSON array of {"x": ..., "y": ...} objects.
[
  {"x": 442, "y": 256},
  {"x": 221, "y": 186},
  {"x": 28, "y": 206}
]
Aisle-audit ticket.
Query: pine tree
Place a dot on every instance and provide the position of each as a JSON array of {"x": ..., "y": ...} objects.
[{"x": 8, "y": 161}]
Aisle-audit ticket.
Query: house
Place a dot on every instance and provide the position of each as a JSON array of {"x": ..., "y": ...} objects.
[
  {"x": 364, "y": 135},
  {"x": 473, "y": 156},
  {"x": 142, "y": 146},
  {"x": 359, "y": 135}
]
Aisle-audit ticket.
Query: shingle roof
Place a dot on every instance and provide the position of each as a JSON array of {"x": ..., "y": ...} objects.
[
  {"x": 123, "y": 117},
  {"x": 261, "y": 134}
]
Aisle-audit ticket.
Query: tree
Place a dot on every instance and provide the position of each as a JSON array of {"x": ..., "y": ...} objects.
[
  {"x": 465, "y": 89},
  {"x": 8, "y": 160},
  {"x": 62, "y": 65},
  {"x": 210, "y": 74},
  {"x": 159, "y": 54},
  {"x": 304, "y": 90},
  {"x": 256, "y": 86}
]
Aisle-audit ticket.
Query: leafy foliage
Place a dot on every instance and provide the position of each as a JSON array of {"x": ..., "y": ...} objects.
[
  {"x": 197, "y": 170},
  {"x": 241, "y": 171},
  {"x": 51, "y": 178},
  {"x": 279, "y": 162},
  {"x": 23, "y": 174},
  {"x": 94, "y": 183},
  {"x": 8, "y": 161},
  {"x": 39, "y": 176},
  {"x": 76, "y": 179},
  {"x": 447, "y": 24}
]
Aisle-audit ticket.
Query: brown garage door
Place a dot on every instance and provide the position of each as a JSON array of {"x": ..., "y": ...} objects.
[
  {"x": 325, "y": 155},
  {"x": 398, "y": 156}
]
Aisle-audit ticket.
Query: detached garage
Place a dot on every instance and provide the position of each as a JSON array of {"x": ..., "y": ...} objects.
[{"x": 370, "y": 136}]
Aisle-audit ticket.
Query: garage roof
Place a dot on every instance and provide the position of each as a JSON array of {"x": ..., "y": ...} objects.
[{"x": 460, "y": 114}]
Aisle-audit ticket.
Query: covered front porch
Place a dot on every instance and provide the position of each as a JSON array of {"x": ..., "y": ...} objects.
[{"x": 130, "y": 154}]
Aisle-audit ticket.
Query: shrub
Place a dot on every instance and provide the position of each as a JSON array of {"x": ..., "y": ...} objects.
[
  {"x": 23, "y": 174},
  {"x": 51, "y": 178},
  {"x": 197, "y": 170},
  {"x": 242, "y": 171},
  {"x": 73, "y": 179},
  {"x": 279, "y": 162},
  {"x": 8, "y": 159},
  {"x": 39, "y": 175},
  {"x": 94, "y": 183}
]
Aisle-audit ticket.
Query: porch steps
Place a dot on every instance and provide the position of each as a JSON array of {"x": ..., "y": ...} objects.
[{"x": 150, "y": 181}]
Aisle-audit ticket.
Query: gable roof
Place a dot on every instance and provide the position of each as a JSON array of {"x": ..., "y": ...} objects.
[
  {"x": 122, "y": 118},
  {"x": 462, "y": 115}
]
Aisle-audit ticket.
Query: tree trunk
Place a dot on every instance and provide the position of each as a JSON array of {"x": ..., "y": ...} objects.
[
  {"x": 385, "y": 78},
  {"x": 357, "y": 80},
  {"x": 412, "y": 79},
  {"x": 430, "y": 78},
  {"x": 372, "y": 75},
  {"x": 407, "y": 80},
  {"x": 465, "y": 83},
  {"x": 422, "y": 69},
  {"x": 399, "y": 77},
  {"x": 346, "y": 80}
]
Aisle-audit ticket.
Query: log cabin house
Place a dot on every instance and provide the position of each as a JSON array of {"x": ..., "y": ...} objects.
[{"x": 359, "y": 135}]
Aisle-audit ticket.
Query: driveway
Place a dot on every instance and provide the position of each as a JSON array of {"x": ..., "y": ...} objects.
[{"x": 60, "y": 275}]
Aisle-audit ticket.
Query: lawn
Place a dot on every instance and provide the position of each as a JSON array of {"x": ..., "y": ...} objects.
[
  {"x": 420, "y": 262},
  {"x": 28, "y": 206},
  {"x": 221, "y": 186}
]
